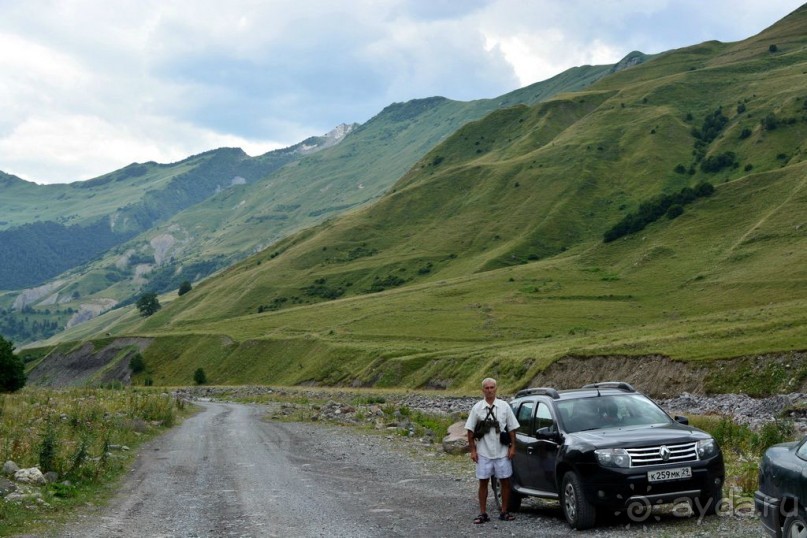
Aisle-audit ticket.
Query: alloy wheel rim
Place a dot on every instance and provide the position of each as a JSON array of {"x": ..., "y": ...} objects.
[
  {"x": 798, "y": 530},
  {"x": 570, "y": 502}
]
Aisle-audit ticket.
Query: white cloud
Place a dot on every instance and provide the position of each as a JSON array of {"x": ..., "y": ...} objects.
[{"x": 90, "y": 86}]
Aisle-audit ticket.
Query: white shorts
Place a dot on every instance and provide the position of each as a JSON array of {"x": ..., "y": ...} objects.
[{"x": 499, "y": 467}]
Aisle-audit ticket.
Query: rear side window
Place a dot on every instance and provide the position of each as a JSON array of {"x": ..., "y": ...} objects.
[{"x": 524, "y": 416}]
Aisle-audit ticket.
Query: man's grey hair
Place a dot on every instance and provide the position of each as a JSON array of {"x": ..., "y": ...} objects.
[{"x": 489, "y": 380}]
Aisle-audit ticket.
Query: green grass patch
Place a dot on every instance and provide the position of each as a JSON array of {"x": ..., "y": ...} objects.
[{"x": 79, "y": 434}]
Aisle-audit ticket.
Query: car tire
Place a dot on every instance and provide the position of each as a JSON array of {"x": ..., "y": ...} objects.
[
  {"x": 579, "y": 513},
  {"x": 795, "y": 525},
  {"x": 514, "y": 504}
]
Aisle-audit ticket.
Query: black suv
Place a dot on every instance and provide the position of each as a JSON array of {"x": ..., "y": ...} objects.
[{"x": 606, "y": 447}]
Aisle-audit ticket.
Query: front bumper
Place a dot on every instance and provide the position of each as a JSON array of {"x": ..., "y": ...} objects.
[
  {"x": 770, "y": 513},
  {"x": 617, "y": 488}
]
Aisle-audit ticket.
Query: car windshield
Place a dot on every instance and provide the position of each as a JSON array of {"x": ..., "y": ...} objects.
[{"x": 612, "y": 411}]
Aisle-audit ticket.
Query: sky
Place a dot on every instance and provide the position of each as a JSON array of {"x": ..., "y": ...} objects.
[{"x": 90, "y": 86}]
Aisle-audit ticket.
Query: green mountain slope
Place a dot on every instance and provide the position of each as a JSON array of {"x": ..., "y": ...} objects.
[
  {"x": 488, "y": 254},
  {"x": 151, "y": 227}
]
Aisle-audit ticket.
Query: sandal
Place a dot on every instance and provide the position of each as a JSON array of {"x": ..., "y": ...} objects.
[
  {"x": 506, "y": 516},
  {"x": 481, "y": 518}
]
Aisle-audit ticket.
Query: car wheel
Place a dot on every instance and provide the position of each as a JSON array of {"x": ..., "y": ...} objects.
[
  {"x": 580, "y": 513},
  {"x": 795, "y": 525},
  {"x": 515, "y": 499}
]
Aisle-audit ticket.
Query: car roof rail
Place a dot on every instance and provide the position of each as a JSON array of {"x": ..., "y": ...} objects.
[
  {"x": 620, "y": 385},
  {"x": 548, "y": 391}
]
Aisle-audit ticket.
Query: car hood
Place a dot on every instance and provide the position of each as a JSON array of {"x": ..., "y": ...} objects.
[{"x": 641, "y": 435}]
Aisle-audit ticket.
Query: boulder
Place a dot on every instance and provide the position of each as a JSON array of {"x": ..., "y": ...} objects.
[
  {"x": 6, "y": 487},
  {"x": 30, "y": 476},
  {"x": 10, "y": 468},
  {"x": 456, "y": 441}
]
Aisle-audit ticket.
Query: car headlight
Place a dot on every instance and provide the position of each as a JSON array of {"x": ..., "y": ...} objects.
[
  {"x": 707, "y": 448},
  {"x": 613, "y": 457}
]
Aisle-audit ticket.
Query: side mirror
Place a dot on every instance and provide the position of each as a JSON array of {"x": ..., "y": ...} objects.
[
  {"x": 547, "y": 433},
  {"x": 682, "y": 420}
]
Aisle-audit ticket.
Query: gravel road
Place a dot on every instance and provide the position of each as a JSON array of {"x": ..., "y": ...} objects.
[{"x": 228, "y": 471}]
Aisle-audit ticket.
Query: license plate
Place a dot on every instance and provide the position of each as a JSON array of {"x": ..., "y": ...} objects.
[{"x": 669, "y": 474}]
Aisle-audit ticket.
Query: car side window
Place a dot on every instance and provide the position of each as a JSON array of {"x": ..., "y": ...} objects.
[
  {"x": 543, "y": 417},
  {"x": 524, "y": 417},
  {"x": 801, "y": 452}
]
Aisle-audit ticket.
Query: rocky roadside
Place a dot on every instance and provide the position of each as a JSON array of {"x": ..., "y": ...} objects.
[{"x": 341, "y": 406}]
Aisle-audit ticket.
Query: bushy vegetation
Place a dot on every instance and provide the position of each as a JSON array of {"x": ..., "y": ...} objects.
[
  {"x": 743, "y": 447},
  {"x": 184, "y": 288},
  {"x": 78, "y": 434},
  {"x": 12, "y": 369},
  {"x": 671, "y": 205},
  {"x": 148, "y": 304}
]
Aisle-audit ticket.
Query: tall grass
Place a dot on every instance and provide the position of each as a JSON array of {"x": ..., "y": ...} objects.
[
  {"x": 79, "y": 434},
  {"x": 743, "y": 447}
]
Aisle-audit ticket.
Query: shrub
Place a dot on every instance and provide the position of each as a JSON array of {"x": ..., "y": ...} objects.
[
  {"x": 47, "y": 448},
  {"x": 184, "y": 288},
  {"x": 715, "y": 163},
  {"x": 199, "y": 376},
  {"x": 137, "y": 363},
  {"x": 148, "y": 304},
  {"x": 12, "y": 368},
  {"x": 675, "y": 211},
  {"x": 770, "y": 122}
]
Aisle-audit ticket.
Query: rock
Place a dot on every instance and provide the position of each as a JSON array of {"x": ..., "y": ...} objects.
[
  {"x": 10, "y": 468},
  {"x": 20, "y": 497},
  {"x": 6, "y": 487},
  {"x": 51, "y": 477},
  {"x": 456, "y": 441},
  {"x": 30, "y": 476}
]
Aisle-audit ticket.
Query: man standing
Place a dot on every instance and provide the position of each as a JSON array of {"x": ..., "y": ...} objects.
[{"x": 487, "y": 420}]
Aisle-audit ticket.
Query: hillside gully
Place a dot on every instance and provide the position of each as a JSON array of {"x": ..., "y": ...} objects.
[{"x": 238, "y": 470}]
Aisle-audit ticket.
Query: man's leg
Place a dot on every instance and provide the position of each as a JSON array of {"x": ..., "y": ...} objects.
[
  {"x": 504, "y": 484},
  {"x": 483, "y": 495}
]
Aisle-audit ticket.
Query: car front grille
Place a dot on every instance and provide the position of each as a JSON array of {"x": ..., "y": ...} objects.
[{"x": 655, "y": 455}]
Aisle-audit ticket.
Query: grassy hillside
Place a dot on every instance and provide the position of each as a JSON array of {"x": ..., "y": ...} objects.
[
  {"x": 487, "y": 257},
  {"x": 192, "y": 218}
]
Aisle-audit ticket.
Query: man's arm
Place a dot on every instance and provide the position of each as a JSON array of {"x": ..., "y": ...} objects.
[
  {"x": 472, "y": 445},
  {"x": 511, "y": 450}
]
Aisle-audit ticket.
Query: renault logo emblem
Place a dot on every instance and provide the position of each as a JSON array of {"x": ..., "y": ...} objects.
[{"x": 664, "y": 452}]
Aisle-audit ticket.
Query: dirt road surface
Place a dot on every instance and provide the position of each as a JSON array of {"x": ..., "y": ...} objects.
[{"x": 229, "y": 472}]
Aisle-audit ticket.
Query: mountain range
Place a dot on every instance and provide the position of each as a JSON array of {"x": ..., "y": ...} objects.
[
  {"x": 76, "y": 250},
  {"x": 653, "y": 208}
]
